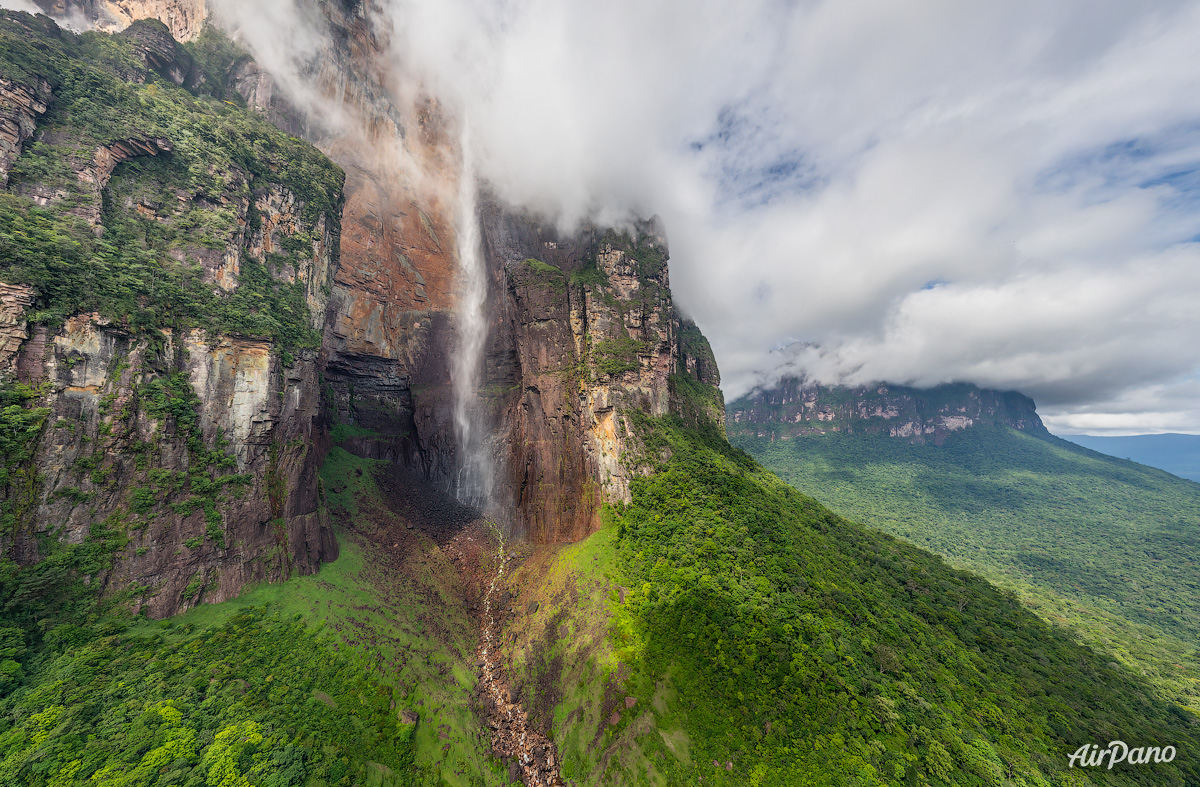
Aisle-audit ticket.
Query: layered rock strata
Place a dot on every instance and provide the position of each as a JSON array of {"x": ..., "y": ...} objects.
[
  {"x": 795, "y": 408},
  {"x": 193, "y": 450},
  {"x": 20, "y": 107},
  {"x": 583, "y": 335},
  {"x": 184, "y": 18}
]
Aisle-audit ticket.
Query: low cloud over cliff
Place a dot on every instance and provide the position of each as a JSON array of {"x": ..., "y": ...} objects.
[{"x": 1003, "y": 193}]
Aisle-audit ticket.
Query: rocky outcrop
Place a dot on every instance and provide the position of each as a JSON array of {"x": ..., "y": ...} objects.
[
  {"x": 95, "y": 174},
  {"x": 577, "y": 340},
  {"x": 158, "y": 50},
  {"x": 795, "y": 408},
  {"x": 184, "y": 18},
  {"x": 194, "y": 452},
  {"x": 585, "y": 334},
  {"x": 583, "y": 331},
  {"x": 202, "y": 450},
  {"x": 14, "y": 300},
  {"x": 20, "y": 107}
]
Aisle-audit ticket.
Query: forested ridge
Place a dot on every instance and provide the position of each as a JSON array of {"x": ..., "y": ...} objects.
[{"x": 1099, "y": 544}]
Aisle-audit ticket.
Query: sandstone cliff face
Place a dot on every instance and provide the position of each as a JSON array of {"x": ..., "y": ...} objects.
[
  {"x": 391, "y": 328},
  {"x": 199, "y": 448},
  {"x": 568, "y": 357},
  {"x": 586, "y": 334},
  {"x": 579, "y": 339},
  {"x": 203, "y": 448},
  {"x": 14, "y": 300},
  {"x": 20, "y": 107},
  {"x": 184, "y": 18},
  {"x": 795, "y": 408}
]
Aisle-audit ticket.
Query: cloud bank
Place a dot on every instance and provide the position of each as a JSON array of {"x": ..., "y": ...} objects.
[
  {"x": 1000, "y": 193},
  {"x": 20, "y": 5}
]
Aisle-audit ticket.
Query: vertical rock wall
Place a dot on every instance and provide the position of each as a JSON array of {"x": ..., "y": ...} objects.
[
  {"x": 197, "y": 450},
  {"x": 798, "y": 408},
  {"x": 184, "y": 18},
  {"x": 583, "y": 332}
]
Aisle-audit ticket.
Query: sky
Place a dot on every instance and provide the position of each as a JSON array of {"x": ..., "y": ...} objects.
[{"x": 859, "y": 190}]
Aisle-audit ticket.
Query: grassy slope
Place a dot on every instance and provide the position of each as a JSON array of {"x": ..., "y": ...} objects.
[
  {"x": 767, "y": 641},
  {"x": 761, "y": 640},
  {"x": 1102, "y": 545},
  {"x": 387, "y": 625},
  {"x": 573, "y": 677}
]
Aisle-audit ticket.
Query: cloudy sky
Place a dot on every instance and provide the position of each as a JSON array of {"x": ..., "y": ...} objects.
[{"x": 920, "y": 192}]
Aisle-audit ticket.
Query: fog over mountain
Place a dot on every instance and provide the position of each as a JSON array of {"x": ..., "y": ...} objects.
[{"x": 1000, "y": 193}]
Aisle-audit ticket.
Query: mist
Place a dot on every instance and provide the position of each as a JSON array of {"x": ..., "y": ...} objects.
[{"x": 1004, "y": 194}]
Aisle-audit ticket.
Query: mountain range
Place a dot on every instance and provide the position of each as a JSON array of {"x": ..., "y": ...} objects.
[
  {"x": 1099, "y": 544},
  {"x": 1178, "y": 454}
]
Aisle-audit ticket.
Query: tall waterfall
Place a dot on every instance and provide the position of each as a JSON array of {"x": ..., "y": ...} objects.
[{"x": 475, "y": 469}]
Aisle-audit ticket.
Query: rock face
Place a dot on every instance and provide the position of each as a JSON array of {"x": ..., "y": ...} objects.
[
  {"x": 184, "y": 18},
  {"x": 202, "y": 447},
  {"x": 20, "y": 107},
  {"x": 196, "y": 449},
  {"x": 586, "y": 334},
  {"x": 568, "y": 357},
  {"x": 14, "y": 300},
  {"x": 155, "y": 46},
  {"x": 794, "y": 408}
]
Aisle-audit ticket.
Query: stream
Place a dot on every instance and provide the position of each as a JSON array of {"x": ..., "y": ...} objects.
[{"x": 532, "y": 756}]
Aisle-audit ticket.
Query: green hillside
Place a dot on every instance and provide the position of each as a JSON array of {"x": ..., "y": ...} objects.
[
  {"x": 726, "y": 629},
  {"x": 1102, "y": 544},
  {"x": 359, "y": 675},
  {"x": 721, "y": 629}
]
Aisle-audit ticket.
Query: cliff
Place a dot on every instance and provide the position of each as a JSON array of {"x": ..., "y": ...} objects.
[
  {"x": 586, "y": 336},
  {"x": 583, "y": 332},
  {"x": 230, "y": 295},
  {"x": 167, "y": 262},
  {"x": 795, "y": 408},
  {"x": 184, "y": 18}
]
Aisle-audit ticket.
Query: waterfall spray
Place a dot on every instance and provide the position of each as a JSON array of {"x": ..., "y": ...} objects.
[{"x": 473, "y": 485}]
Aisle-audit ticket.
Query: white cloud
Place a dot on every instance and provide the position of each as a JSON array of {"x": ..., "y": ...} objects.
[
  {"x": 998, "y": 192},
  {"x": 20, "y": 5}
]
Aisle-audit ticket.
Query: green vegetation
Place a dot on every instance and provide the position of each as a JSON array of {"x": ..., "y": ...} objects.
[
  {"x": 760, "y": 629},
  {"x": 589, "y": 275},
  {"x": 304, "y": 682},
  {"x": 619, "y": 355},
  {"x": 160, "y": 214},
  {"x": 215, "y": 56},
  {"x": 542, "y": 268},
  {"x": 1099, "y": 544},
  {"x": 543, "y": 274},
  {"x": 401, "y": 607},
  {"x": 52, "y": 605},
  {"x": 20, "y": 425},
  {"x": 648, "y": 258},
  {"x": 173, "y": 402},
  {"x": 258, "y": 700}
]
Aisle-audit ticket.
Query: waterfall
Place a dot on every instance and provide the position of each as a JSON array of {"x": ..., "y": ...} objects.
[{"x": 473, "y": 484}]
